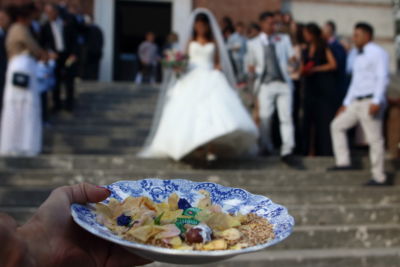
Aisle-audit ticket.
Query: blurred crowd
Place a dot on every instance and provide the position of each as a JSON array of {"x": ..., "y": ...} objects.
[
  {"x": 309, "y": 89},
  {"x": 44, "y": 48},
  {"x": 338, "y": 89}
]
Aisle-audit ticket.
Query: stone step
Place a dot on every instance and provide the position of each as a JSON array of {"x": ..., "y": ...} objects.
[
  {"x": 33, "y": 196},
  {"x": 304, "y": 215},
  {"x": 61, "y": 129},
  {"x": 338, "y": 257},
  {"x": 95, "y": 142},
  {"x": 131, "y": 162},
  {"x": 91, "y": 150},
  {"x": 359, "y": 236},
  {"x": 233, "y": 178},
  {"x": 143, "y": 120}
]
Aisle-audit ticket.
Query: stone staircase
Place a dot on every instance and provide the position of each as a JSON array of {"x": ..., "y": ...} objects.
[{"x": 338, "y": 222}]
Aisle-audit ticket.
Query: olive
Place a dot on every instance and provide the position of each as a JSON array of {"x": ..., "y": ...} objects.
[{"x": 194, "y": 236}]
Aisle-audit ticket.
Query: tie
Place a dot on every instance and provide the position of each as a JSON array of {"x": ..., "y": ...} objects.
[{"x": 361, "y": 51}]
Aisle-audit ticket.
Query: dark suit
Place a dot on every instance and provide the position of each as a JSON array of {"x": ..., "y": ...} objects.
[
  {"x": 64, "y": 74},
  {"x": 3, "y": 66},
  {"x": 340, "y": 55},
  {"x": 36, "y": 30},
  {"x": 94, "y": 52}
]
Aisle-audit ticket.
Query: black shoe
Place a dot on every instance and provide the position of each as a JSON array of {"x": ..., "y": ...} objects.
[
  {"x": 292, "y": 162},
  {"x": 373, "y": 182},
  {"x": 341, "y": 168},
  {"x": 56, "y": 110},
  {"x": 264, "y": 153}
]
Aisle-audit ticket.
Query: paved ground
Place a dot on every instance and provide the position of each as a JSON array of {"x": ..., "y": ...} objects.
[{"x": 338, "y": 222}]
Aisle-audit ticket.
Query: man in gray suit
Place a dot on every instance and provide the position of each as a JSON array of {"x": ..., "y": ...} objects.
[{"x": 267, "y": 59}]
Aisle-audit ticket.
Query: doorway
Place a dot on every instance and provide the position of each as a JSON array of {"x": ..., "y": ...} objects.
[{"x": 133, "y": 19}]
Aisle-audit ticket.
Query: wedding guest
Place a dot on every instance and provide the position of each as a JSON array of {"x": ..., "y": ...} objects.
[
  {"x": 227, "y": 34},
  {"x": 172, "y": 42},
  {"x": 393, "y": 128},
  {"x": 278, "y": 19},
  {"x": 295, "y": 74},
  {"x": 365, "y": 104},
  {"x": 318, "y": 68},
  {"x": 236, "y": 45},
  {"x": 94, "y": 50},
  {"x": 253, "y": 30},
  {"x": 226, "y": 23},
  {"x": 148, "y": 55},
  {"x": 59, "y": 36},
  {"x": 46, "y": 72},
  {"x": 21, "y": 124},
  {"x": 35, "y": 27},
  {"x": 36, "y": 31},
  {"x": 268, "y": 57},
  {"x": 340, "y": 54},
  {"x": 51, "y": 237},
  {"x": 4, "y": 24},
  {"x": 287, "y": 23},
  {"x": 76, "y": 19}
]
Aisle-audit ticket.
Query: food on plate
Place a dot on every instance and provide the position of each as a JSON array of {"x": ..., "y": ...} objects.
[{"x": 177, "y": 224}]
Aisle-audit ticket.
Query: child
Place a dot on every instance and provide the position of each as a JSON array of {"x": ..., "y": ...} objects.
[{"x": 45, "y": 72}]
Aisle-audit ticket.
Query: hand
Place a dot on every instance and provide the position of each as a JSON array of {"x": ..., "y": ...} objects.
[
  {"x": 72, "y": 58},
  {"x": 374, "y": 109},
  {"x": 13, "y": 249},
  {"x": 252, "y": 69},
  {"x": 53, "y": 55},
  {"x": 256, "y": 113},
  {"x": 53, "y": 239},
  {"x": 394, "y": 101},
  {"x": 340, "y": 110}
]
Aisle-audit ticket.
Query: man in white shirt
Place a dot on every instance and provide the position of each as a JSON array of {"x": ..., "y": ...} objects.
[{"x": 364, "y": 103}]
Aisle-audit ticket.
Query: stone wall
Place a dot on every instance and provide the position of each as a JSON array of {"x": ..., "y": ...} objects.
[{"x": 239, "y": 10}]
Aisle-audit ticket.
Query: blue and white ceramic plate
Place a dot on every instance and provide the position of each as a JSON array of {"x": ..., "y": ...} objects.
[{"x": 231, "y": 200}]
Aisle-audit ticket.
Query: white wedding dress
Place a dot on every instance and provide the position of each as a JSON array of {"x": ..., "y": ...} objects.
[
  {"x": 202, "y": 108},
  {"x": 21, "y": 122}
]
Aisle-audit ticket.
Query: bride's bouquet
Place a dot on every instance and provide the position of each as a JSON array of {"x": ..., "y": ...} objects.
[{"x": 175, "y": 60}]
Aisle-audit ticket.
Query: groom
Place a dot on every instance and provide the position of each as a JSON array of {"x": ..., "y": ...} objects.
[{"x": 267, "y": 59}]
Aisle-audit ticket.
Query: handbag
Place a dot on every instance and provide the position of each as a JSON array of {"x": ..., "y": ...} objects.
[{"x": 21, "y": 80}]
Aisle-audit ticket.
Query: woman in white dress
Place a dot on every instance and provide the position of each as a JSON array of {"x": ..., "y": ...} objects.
[
  {"x": 21, "y": 125},
  {"x": 201, "y": 110}
]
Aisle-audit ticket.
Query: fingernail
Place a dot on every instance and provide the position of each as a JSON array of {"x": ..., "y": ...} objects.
[{"x": 104, "y": 188}]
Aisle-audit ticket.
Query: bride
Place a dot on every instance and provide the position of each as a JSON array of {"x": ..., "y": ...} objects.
[{"x": 201, "y": 112}]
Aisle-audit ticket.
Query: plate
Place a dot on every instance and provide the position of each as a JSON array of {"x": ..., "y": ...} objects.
[{"x": 232, "y": 200}]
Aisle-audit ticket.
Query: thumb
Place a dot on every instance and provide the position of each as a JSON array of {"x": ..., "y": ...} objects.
[{"x": 83, "y": 193}]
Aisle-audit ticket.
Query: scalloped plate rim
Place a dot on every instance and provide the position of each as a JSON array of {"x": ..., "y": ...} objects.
[{"x": 175, "y": 252}]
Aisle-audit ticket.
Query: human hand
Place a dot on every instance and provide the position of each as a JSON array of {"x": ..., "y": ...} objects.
[
  {"x": 256, "y": 113},
  {"x": 374, "y": 109},
  {"x": 340, "y": 110},
  {"x": 53, "y": 56},
  {"x": 394, "y": 101},
  {"x": 13, "y": 248},
  {"x": 252, "y": 69},
  {"x": 218, "y": 67},
  {"x": 53, "y": 239}
]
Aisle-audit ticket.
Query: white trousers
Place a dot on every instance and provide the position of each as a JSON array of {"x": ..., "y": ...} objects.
[
  {"x": 272, "y": 96},
  {"x": 358, "y": 112}
]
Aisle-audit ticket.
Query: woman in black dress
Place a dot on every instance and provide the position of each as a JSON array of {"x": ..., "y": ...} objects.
[{"x": 318, "y": 67}]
